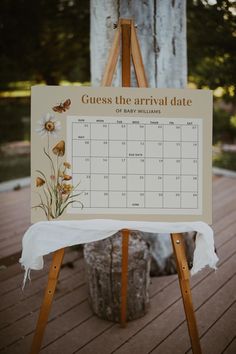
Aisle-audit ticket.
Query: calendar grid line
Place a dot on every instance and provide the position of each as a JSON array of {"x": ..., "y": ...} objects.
[
  {"x": 126, "y": 134},
  {"x": 138, "y": 191},
  {"x": 132, "y": 174},
  {"x": 108, "y": 169},
  {"x": 144, "y": 166},
  {"x": 134, "y": 123},
  {"x": 147, "y": 140},
  {"x": 197, "y": 162},
  {"x": 162, "y": 166},
  {"x": 72, "y": 149},
  {"x": 154, "y": 208},
  {"x": 118, "y": 170},
  {"x": 90, "y": 168},
  {"x": 132, "y": 157},
  {"x": 181, "y": 166}
]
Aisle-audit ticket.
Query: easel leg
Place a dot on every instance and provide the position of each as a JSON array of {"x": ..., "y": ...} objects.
[
  {"x": 126, "y": 52},
  {"x": 184, "y": 276},
  {"x": 126, "y": 81},
  {"x": 47, "y": 301},
  {"x": 124, "y": 276}
]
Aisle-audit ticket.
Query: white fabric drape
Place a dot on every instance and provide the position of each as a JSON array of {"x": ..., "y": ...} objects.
[{"x": 48, "y": 236}]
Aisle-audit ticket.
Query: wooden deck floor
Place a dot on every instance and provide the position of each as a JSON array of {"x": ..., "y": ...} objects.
[{"x": 72, "y": 328}]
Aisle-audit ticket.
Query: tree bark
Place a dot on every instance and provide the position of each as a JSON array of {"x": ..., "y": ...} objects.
[
  {"x": 103, "y": 268},
  {"x": 161, "y": 29}
]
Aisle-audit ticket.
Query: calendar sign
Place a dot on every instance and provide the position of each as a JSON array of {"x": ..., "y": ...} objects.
[{"x": 121, "y": 153}]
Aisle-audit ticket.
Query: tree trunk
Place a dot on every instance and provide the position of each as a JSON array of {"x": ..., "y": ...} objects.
[
  {"x": 161, "y": 29},
  {"x": 103, "y": 268}
]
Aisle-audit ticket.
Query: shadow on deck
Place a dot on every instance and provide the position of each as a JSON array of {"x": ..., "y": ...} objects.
[{"x": 72, "y": 327}]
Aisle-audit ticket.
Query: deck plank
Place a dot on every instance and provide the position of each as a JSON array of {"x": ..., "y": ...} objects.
[
  {"x": 69, "y": 279},
  {"x": 110, "y": 334},
  {"x": 230, "y": 347},
  {"x": 14, "y": 205},
  {"x": 222, "y": 329},
  {"x": 19, "y": 305},
  {"x": 15, "y": 272},
  {"x": 32, "y": 301},
  {"x": 140, "y": 334},
  {"x": 207, "y": 313},
  {"x": 72, "y": 328}
]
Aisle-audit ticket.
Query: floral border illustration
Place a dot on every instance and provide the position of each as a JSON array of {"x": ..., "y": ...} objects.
[{"x": 56, "y": 190}]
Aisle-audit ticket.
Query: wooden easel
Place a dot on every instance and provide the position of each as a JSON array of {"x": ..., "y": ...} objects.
[{"x": 126, "y": 37}]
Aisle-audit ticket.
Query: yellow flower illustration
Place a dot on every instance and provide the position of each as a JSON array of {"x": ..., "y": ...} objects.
[
  {"x": 67, "y": 177},
  {"x": 39, "y": 182},
  {"x": 66, "y": 188},
  {"x": 57, "y": 192},
  {"x": 59, "y": 148},
  {"x": 67, "y": 165}
]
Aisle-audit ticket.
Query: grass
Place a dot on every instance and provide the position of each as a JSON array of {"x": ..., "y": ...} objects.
[
  {"x": 14, "y": 167},
  {"x": 15, "y": 119},
  {"x": 23, "y": 88},
  {"x": 225, "y": 160}
]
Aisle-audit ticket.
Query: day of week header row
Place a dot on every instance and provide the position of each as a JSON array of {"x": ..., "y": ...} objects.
[{"x": 128, "y": 120}]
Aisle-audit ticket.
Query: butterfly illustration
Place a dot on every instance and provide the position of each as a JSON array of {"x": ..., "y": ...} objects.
[{"x": 62, "y": 107}]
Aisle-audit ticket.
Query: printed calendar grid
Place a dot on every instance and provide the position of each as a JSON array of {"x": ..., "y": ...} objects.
[{"x": 144, "y": 192}]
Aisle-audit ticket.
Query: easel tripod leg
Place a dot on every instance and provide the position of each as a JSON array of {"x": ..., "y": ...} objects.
[
  {"x": 184, "y": 276},
  {"x": 47, "y": 301},
  {"x": 124, "y": 276}
]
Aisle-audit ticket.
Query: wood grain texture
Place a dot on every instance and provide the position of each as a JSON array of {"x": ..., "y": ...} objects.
[
  {"x": 163, "y": 330},
  {"x": 126, "y": 52},
  {"x": 137, "y": 60},
  {"x": 184, "y": 282},
  {"x": 161, "y": 29},
  {"x": 118, "y": 276},
  {"x": 112, "y": 59},
  {"x": 47, "y": 301},
  {"x": 124, "y": 276}
]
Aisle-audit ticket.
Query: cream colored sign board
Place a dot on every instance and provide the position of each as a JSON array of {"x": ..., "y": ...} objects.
[{"x": 121, "y": 153}]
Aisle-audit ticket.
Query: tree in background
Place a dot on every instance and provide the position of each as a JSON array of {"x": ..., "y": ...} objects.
[
  {"x": 161, "y": 29},
  {"x": 212, "y": 61},
  {"x": 44, "y": 40},
  {"x": 49, "y": 40},
  {"x": 212, "y": 45}
]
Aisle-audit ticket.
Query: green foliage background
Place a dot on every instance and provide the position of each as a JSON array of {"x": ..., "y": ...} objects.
[
  {"x": 44, "y": 41},
  {"x": 47, "y": 41},
  {"x": 211, "y": 38}
]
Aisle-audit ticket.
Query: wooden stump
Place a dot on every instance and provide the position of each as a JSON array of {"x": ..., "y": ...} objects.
[{"x": 103, "y": 268}]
